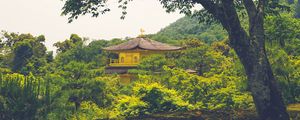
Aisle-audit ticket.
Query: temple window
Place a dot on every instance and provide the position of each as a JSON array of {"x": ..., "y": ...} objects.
[
  {"x": 135, "y": 59},
  {"x": 122, "y": 59}
]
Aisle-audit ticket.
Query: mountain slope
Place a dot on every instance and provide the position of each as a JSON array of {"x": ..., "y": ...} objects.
[{"x": 188, "y": 28}]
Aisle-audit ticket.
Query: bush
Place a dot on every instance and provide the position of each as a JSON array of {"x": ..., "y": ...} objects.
[
  {"x": 148, "y": 99},
  {"x": 131, "y": 106},
  {"x": 90, "y": 111},
  {"x": 19, "y": 96},
  {"x": 215, "y": 92},
  {"x": 159, "y": 98}
]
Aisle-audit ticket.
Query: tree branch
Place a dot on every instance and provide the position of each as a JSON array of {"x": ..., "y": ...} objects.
[
  {"x": 261, "y": 6},
  {"x": 215, "y": 10},
  {"x": 250, "y": 8},
  {"x": 237, "y": 35}
]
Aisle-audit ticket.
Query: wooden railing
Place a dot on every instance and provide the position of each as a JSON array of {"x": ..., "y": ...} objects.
[{"x": 116, "y": 62}]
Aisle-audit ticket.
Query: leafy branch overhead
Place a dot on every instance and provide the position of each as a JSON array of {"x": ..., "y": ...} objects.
[{"x": 76, "y": 8}]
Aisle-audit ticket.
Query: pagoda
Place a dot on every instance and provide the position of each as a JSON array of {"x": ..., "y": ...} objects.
[{"x": 130, "y": 53}]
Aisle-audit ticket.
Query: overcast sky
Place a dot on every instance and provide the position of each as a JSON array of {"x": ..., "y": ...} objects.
[{"x": 43, "y": 17}]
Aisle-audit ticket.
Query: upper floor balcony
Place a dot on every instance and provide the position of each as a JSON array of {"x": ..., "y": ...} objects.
[{"x": 123, "y": 62}]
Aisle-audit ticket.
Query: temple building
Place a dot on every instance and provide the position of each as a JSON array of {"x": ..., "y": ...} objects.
[{"x": 132, "y": 52}]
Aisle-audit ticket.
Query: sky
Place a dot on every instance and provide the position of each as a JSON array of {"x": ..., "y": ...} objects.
[{"x": 43, "y": 17}]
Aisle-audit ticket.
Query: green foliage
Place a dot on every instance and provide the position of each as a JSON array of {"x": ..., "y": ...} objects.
[
  {"x": 4, "y": 109},
  {"x": 90, "y": 111},
  {"x": 75, "y": 70},
  {"x": 151, "y": 64},
  {"x": 20, "y": 96},
  {"x": 282, "y": 30},
  {"x": 91, "y": 54},
  {"x": 150, "y": 98},
  {"x": 70, "y": 43},
  {"x": 159, "y": 98},
  {"x": 24, "y": 53},
  {"x": 73, "y": 84},
  {"x": 192, "y": 43},
  {"x": 190, "y": 28},
  {"x": 10, "y": 39},
  {"x": 282, "y": 33},
  {"x": 76, "y": 8},
  {"x": 72, "y": 94},
  {"x": 130, "y": 106},
  {"x": 220, "y": 91},
  {"x": 201, "y": 58},
  {"x": 286, "y": 70}
]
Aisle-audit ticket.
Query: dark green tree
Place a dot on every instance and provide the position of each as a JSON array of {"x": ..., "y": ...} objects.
[{"x": 22, "y": 52}]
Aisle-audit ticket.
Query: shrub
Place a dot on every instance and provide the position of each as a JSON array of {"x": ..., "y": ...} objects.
[
  {"x": 159, "y": 98},
  {"x": 90, "y": 111},
  {"x": 148, "y": 99},
  {"x": 219, "y": 91},
  {"x": 131, "y": 106}
]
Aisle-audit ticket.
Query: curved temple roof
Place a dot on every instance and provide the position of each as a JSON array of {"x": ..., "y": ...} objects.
[{"x": 142, "y": 43}]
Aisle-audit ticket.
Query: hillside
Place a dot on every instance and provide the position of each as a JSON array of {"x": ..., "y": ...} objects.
[{"x": 187, "y": 28}]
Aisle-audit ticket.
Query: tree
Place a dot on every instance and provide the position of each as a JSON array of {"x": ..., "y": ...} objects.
[
  {"x": 249, "y": 44},
  {"x": 283, "y": 52},
  {"x": 200, "y": 57},
  {"x": 284, "y": 31},
  {"x": 151, "y": 64},
  {"x": 20, "y": 97},
  {"x": 69, "y": 43},
  {"x": 190, "y": 28},
  {"x": 24, "y": 53}
]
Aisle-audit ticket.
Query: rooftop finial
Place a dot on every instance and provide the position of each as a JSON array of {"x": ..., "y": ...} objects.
[{"x": 142, "y": 32}]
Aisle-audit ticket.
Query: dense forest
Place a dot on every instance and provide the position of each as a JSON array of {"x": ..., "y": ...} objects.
[
  {"x": 34, "y": 84},
  {"x": 190, "y": 28}
]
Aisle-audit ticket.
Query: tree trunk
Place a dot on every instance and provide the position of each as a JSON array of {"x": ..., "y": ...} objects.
[
  {"x": 261, "y": 81},
  {"x": 290, "y": 1},
  {"x": 251, "y": 52},
  {"x": 297, "y": 12},
  {"x": 264, "y": 89}
]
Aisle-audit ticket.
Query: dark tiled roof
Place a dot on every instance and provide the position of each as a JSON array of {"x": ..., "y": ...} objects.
[{"x": 142, "y": 43}]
